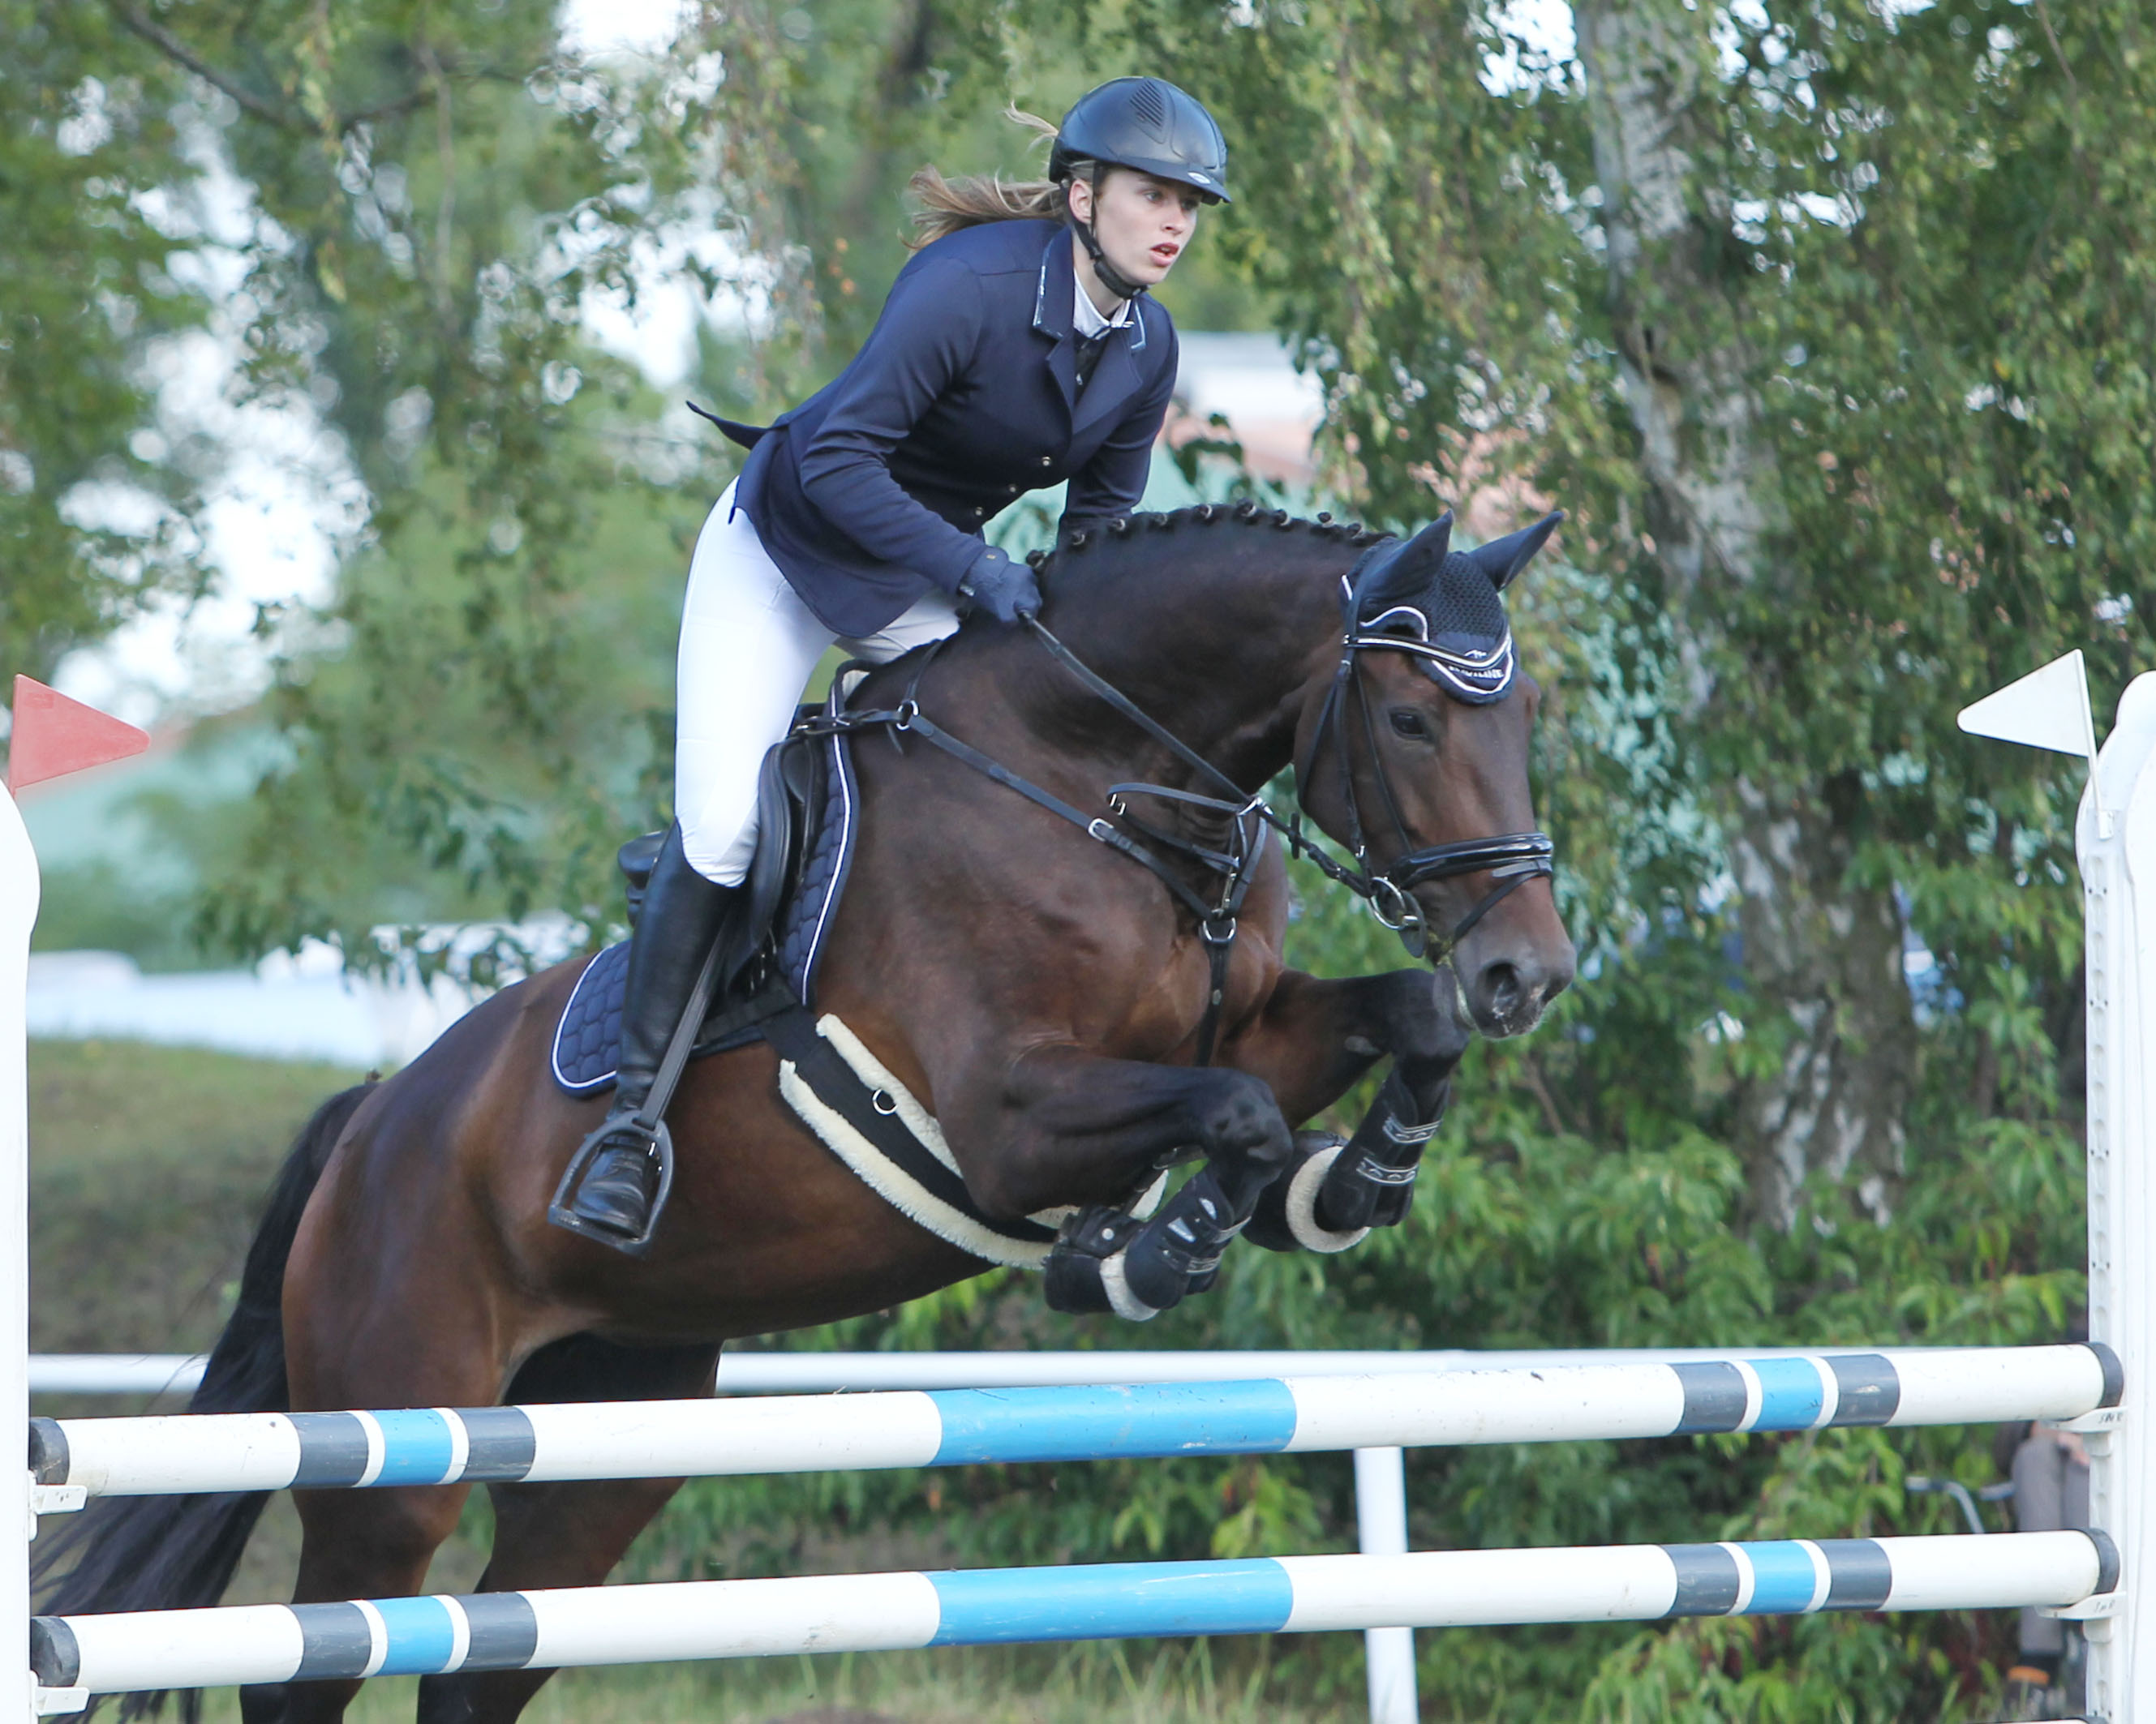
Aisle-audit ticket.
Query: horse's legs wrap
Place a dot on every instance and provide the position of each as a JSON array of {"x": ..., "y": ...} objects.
[
  {"x": 1085, "y": 1272},
  {"x": 1108, "y": 1260},
  {"x": 1285, "y": 1219},
  {"x": 1372, "y": 1183}
]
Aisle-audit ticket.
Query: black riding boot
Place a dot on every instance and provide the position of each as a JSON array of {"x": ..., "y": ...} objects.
[{"x": 680, "y": 918}]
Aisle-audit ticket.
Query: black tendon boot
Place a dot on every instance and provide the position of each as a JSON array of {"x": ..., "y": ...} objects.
[{"x": 627, "y": 1163}]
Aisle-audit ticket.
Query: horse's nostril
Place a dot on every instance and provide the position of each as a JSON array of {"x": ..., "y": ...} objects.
[{"x": 1501, "y": 986}]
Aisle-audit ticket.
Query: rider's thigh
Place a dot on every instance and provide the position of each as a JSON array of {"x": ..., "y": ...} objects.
[
  {"x": 748, "y": 644},
  {"x": 930, "y": 617}
]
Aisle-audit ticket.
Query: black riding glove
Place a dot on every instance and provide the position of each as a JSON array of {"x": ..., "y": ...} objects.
[{"x": 1004, "y": 589}]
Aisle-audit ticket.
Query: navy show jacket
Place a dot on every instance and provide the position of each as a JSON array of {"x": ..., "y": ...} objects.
[{"x": 876, "y": 488}]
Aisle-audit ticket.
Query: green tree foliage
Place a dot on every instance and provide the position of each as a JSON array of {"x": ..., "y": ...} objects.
[
  {"x": 96, "y": 179},
  {"x": 1844, "y": 381}
]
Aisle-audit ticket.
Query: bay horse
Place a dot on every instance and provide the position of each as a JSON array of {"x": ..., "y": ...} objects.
[{"x": 1042, "y": 996}]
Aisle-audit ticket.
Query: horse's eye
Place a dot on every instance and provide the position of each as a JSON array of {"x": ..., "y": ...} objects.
[{"x": 1410, "y": 724}]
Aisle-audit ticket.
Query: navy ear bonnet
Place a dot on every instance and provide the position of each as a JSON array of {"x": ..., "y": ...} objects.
[{"x": 1421, "y": 597}]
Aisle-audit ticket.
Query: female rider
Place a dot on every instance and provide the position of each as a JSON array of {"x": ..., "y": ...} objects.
[{"x": 1017, "y": 350}]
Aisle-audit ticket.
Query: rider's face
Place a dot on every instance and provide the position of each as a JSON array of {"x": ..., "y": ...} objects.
[{"x": 1142, "y": 223}]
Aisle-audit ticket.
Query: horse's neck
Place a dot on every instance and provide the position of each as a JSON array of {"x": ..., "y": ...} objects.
[{"x": 1214, "y": 640}]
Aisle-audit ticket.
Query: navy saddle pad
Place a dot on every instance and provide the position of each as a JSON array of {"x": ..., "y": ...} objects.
[{"x": 587, "y": 1043}]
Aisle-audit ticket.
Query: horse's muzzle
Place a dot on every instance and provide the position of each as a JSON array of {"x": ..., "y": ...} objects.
[{"x": 1511, "y": 982}]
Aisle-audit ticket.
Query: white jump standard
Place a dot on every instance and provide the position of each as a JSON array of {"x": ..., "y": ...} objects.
[
  {"x": 269, "y": 1451},
  {"x": 76, "y": 1656}
]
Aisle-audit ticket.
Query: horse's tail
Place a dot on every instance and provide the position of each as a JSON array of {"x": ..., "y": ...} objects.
[{"x": 177, "y": 1553}]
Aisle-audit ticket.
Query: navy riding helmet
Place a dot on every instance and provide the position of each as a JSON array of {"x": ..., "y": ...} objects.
[{"x": 1146, "y": 124}]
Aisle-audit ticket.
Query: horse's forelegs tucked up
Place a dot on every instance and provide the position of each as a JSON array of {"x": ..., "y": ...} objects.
[
  {"x": 1315, "y": 1039},
  {"x": 1075, "y": 1126},
  {"x": 1311, "y": 1041}
]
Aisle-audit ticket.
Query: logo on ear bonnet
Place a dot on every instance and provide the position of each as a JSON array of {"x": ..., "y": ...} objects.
[{"x": 1421, "y": 597}]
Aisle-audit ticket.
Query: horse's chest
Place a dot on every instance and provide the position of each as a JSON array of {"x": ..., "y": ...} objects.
[{"x": 1171, "y": 1010}]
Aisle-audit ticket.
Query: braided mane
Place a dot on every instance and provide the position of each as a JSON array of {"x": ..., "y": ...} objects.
[{"x": 1205, "y": 514}]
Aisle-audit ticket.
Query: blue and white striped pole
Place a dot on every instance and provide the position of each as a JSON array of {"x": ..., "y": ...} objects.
[
  {"x": 669, "y": 1439},
  {"x": 123, "y": 1653}
]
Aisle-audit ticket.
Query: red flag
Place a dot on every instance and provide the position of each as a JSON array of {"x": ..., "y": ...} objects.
[{"x": 54, "y": 736}]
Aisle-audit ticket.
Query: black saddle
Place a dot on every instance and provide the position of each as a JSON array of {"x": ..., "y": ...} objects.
[{"x": 773, "y": 938}]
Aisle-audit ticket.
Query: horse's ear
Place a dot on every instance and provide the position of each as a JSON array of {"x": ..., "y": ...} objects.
[
  {"x": 1428, "y": 546},
  {"x": 1502, "y": 559},
  {"x": 1403, "y": 571}
]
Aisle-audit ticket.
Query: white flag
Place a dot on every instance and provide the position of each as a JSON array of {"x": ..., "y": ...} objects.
[{"x": 2046, "y": 709}]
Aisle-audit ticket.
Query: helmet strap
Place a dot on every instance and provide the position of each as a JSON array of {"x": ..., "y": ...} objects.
[{"x": 1118, "y": 283}]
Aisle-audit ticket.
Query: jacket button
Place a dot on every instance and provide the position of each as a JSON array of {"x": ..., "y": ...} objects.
[
  {"x": 1046, "y": 462},
  {"x": 980, "y": 515}
]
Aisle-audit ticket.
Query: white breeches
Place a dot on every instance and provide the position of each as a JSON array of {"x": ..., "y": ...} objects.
[{"x": 748, "y": 646}]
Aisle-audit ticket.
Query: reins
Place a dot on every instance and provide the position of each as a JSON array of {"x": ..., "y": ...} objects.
[{"x": 1512, "y": 858}]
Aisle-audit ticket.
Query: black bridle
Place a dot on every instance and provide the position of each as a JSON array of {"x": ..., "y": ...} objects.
[{"x": 1512, "y": 858}]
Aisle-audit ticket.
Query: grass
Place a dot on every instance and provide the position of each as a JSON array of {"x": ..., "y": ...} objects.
[
  {"x": 1112, "y": 1683},
  {"x": 148, "y": 1165},
  {"x": 147, "y": 1168}
]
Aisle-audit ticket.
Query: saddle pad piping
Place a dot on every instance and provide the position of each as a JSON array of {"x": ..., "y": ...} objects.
[{"x": 842, "y": 776}]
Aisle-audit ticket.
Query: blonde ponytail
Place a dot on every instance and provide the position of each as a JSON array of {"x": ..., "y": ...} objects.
[{"x": 946, "y": 206}]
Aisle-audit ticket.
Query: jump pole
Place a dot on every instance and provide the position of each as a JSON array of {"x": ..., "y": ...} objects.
[
  {"x": 18, "y": 915},
  {"x": 121, "y": 1652},
  {"x": 2116, "y": 838},
  {"x": 2115, "y": 843},
  {"x": 185, "y": 1453}
]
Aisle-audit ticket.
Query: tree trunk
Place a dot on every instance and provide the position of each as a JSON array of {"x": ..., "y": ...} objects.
[{"x": 1832, "y": 1033}]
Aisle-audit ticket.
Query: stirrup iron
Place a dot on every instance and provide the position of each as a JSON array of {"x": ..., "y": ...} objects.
[
  {"x": 648, "y": 1124},
  {"x": 656, "y": 1141}
]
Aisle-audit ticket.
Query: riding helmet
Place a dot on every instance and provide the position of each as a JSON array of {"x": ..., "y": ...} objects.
[{"x": 1149, "y": 124}]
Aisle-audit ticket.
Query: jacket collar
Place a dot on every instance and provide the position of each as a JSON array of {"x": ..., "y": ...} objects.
[
  {"x": 1058, "y": 286},
  {"x": 1115, "y": 377}
]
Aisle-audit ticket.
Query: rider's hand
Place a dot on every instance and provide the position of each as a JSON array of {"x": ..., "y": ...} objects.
[{"x": 1004, "y": 589}]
